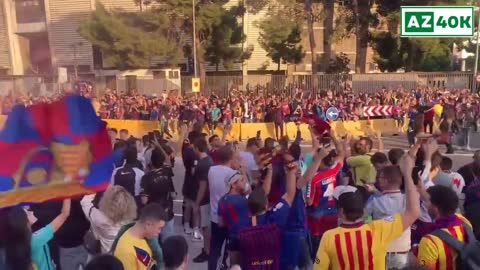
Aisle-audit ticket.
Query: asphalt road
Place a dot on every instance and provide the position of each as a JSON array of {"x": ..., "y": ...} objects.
[{"x": 459, "y": 159}]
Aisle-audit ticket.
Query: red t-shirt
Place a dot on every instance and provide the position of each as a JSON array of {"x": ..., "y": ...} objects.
[{"x": 429, "y": 114}]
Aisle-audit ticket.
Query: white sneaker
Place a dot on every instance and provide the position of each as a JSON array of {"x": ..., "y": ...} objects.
[
  {"x": 197, "y": 236},
  {"x": 188, "y": 230}
]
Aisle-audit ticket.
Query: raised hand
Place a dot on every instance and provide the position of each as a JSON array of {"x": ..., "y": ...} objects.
[{"x": 406, "y": 165}]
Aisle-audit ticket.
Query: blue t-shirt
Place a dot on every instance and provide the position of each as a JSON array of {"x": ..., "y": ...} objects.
[
  {"x": 297, "y": 214},
  {"x": 214, "y": 114},
  {"x": 233, "y": 209},
  {"x": 277, "y": 215},
  {"x": 40, "y": 251},
  {"x": 154, "y": 115}
]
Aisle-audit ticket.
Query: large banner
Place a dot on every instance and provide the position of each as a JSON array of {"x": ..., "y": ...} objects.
[{"x": 53, "y": 151}]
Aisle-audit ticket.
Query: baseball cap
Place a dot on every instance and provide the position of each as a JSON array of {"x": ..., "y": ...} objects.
[
  {"x": 339, "y": 190},
  {"x": 443, "y": 179},
  {"x": 233, "y": 179},
  {"x": 351, "y": 201}
]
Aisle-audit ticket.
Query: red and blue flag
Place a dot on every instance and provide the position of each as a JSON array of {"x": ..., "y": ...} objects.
[{"x": 51, "y": 151}]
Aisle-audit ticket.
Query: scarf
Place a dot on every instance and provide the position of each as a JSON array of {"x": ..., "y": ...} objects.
[{"x": 445, "y": 222}]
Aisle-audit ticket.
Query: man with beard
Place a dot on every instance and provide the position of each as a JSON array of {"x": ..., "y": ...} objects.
[
  {"x": 434, "y": 252},
  {"x": 468, "y": 171},
  {"x": 360, "y": 164},
  {"x": 233, "y": 212}
]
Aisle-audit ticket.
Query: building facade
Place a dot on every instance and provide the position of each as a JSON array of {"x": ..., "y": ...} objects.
[{"x": 38, "y": 36}]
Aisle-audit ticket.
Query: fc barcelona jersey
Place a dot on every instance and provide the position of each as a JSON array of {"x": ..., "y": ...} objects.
[{"x": 134, "y": 253}]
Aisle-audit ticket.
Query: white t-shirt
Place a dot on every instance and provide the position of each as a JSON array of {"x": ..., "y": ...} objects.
[
  {"x": 388, "y": 204},
  {"x": 217, "y": 178},
  {"x": 147, "y": 157},
  {"x": 458, "y": 183},
  {"x": 249, "y": 161},
  {"x": 424, "y": 215}
]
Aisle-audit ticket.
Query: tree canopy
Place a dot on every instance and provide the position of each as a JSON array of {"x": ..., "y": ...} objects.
[
  {"x": 280, "y": 38},
  {"x": 129, "y": 41},
  {"x": 165, "y": 28}
]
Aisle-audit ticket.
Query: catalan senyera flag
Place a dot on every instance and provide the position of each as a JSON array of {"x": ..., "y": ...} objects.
[{"x": 54, "y": 151}]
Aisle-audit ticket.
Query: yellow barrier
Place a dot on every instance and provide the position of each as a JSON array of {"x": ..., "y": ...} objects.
[
  {"x": 135, "y": 128},
  {"x": 385, "y": 126},
  {"x": 233, "y": 136},
  {"x": 248, "y": 130}
]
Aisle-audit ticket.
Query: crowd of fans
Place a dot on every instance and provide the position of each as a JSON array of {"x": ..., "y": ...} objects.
[
  {"x": 241, "y": 106},
  {"x": 461, "y": 108},
  {"x": 271, "y": 205}
]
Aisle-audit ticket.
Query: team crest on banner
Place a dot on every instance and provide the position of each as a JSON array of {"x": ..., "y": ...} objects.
[
  {"x": 53, "y": 151},
  {"x": 143, "y": 256}
]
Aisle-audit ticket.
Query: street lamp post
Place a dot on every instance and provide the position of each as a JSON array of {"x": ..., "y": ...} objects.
[{"x": 194, "y": 41}]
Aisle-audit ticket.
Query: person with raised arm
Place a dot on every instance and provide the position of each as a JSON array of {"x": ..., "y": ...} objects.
[
  {"x": 366, "y": 244},
  {"x": 25, "y": 249}
]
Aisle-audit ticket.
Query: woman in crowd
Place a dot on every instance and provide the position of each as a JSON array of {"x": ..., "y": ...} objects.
[
  {"x": 116, "y": 208},
  {"x": 24, "y": 249}
]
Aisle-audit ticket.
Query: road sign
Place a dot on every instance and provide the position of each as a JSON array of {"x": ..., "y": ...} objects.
[
  {"x": 478, "y": 78},
  {"x": 196, "y": 85},
  {"x": 437, "y": 21},
  {"x": 332, "y": 113},
  {"x": 378, "y": 110}
]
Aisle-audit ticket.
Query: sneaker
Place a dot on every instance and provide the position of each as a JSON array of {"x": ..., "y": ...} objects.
[
  {"x": 197, "y": 236},
  {"x": 202, "y": 257},
  {"x": 188, "y": 230}
]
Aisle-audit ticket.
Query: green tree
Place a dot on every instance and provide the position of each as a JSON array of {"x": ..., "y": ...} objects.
[
  {"x": 393, "y": 52},
  {"x": 433, "y": 55},
  {"x": 222, "y": 47},
  {"x": 280, "y": 38},
  {"x": 339, "y": 64},
  {"x": 163, "y": 28},
  {"x": 218, "y": 34},
  {"x": 129, "y": 40},
  {"x": 307, "y": 13}
]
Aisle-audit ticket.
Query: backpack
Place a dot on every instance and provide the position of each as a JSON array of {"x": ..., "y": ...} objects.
[
  {"x": 125, "y": 177},
  {"x": 260, "y": 246},
  {"x": 467, "y": 258}
]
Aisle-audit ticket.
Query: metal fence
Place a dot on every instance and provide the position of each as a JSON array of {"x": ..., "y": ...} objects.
[
  {"x": 257, "y": 84},
  {"x": 370, "y": 83}
]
